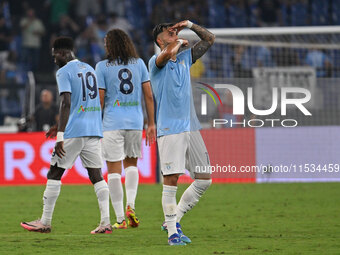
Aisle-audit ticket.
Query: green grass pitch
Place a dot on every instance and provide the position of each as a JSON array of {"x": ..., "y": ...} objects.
[{"x": 229, "y": 219}]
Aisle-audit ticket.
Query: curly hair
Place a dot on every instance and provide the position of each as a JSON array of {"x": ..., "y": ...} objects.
[{"x": 119, "y": 47}]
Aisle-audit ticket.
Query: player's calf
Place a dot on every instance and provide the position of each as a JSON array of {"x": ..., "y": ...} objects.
[{"x": 191, "y": 196}]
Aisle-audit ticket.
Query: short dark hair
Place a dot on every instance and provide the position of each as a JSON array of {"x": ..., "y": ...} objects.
[
  {"x": 159, "y": 29},
  {"x": 63, "y": 43}
]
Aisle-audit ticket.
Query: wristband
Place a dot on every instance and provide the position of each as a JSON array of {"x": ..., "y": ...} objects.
[
  {"x": 189, "y": 24},
  {"x": 60, "y": 137},
  {"x": 181, "y": 41}
]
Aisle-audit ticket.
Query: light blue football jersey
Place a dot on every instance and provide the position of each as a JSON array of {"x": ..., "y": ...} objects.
[
  {"x": 171, "y": 86},
  {"x": 80, "y": 80},
  {"x": 123, "y": 93}
]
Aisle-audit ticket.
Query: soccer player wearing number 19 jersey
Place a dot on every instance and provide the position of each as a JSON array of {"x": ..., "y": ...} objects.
[
  {"x": 78, "y": 134},
  {"x": 122, "y": 80}
]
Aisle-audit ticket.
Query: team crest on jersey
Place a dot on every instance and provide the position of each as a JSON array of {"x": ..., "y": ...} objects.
[
  {"x": 183, "y": 63},
  {"x": 168, "y": 165}
]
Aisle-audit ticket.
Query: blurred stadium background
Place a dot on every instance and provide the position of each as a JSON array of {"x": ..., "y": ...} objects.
[{"x": 260, "y": 44}]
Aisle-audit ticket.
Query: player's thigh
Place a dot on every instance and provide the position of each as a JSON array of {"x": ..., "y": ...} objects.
[
  {"x": 91, "y": 155},
  {"x": 172, "y": 149},
  {"x": 197, "y": 157},
  {"x": 72, "y": 147},
  {"x": 133, "y": 143},
  {"x": 113, "y": 145}
]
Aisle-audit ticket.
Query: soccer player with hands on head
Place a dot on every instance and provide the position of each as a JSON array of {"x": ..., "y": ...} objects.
[{"x": 180, "y": 143}]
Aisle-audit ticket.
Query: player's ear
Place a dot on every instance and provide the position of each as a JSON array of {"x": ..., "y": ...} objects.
[{"x": 159, "y": 41}]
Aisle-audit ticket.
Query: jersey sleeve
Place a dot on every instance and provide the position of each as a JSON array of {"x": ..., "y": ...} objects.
[
  {"x": 186, "y": 55},
  {"x": 100, "y": 76},
  {"x": 144, "y": 71},
  {"x": 152, "y": 65},
  {"x": 63, "y": 81}
]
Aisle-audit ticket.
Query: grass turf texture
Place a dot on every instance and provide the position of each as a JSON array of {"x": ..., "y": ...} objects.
[{"x": 230, "y": 219}]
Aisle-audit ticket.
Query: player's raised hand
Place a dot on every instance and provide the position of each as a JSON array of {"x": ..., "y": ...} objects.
[
  {"x": 59, "y": 149},
  {"x": 150, "y": 135},
  {"x": 179, "y": 26},
  {"x": 183, "y": 42},
  {"x": 52, "y": 132}
]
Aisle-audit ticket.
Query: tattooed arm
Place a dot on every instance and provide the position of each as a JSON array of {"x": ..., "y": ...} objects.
[{"x": 201, "y": 47}]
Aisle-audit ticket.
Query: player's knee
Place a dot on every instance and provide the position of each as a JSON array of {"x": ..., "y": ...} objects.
[
  {"x": 95, "y": 175},
  {"x": 130, "y": 162},
  {"x": 114, "y": 167},
  {"x": 170, "y": 179},
  {"x": 201, "y": 185},
  {"x": 55, "y": 173}
]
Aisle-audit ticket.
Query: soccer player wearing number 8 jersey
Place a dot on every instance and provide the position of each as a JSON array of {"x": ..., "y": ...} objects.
[
  {"x": 78, "y": 134},
  {"x": 122, "y": 80}
]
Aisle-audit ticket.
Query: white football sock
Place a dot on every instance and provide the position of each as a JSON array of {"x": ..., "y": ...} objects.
[
  {"x": 50, "y": 197},
  {"x": 116, "y": 194},
  {"x": 102, "y": 192},
  {"x": 131, "y": 185},
  {"x": 169, "y": 208},
  {"x": 191, "y": 196}
]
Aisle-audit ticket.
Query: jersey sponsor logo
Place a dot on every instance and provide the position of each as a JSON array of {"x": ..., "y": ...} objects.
[
  {"x": 116, "y": 103},
  {"x": 81, "y": 109},
  {"x": 125, "y": 104},
  {"x": 88, "y": 109}
]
